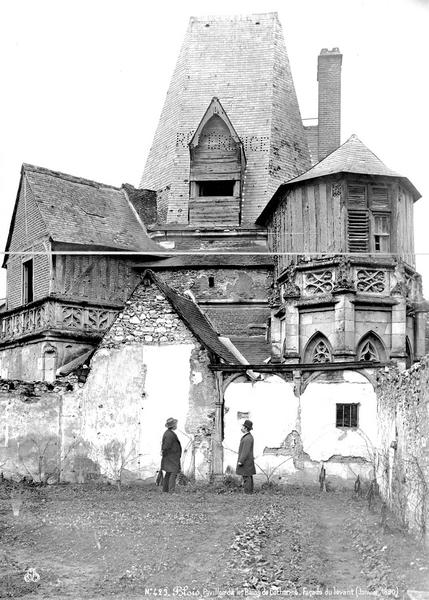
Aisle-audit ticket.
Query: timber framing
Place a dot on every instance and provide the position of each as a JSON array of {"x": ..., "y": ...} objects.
[{"x": 309, "y": 367}]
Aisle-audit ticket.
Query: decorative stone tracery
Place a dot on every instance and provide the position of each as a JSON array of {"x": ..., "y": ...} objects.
[
  {"x": 319, "y": 282},
  {"x": 368, "y": 352},
  {"x": 371, "y": 280},
  {"x": 321, "y": 353}
]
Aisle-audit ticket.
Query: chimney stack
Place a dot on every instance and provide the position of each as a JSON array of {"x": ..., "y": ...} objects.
[{"x": 329, "y": 78}]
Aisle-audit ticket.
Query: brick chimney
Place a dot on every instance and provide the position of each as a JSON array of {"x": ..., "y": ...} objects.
[{"x": 329, "y": 78}]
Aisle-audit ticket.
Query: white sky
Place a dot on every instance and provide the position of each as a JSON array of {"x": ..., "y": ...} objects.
[{"x": 84, "y": 81}]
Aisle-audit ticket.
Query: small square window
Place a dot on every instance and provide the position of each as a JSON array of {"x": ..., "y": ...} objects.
[{"x": 347, "y": 415}]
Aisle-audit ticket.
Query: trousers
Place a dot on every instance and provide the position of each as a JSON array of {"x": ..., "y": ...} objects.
[
  {"x": 169, "y": 483},
  {"x": 248, "y": 484}
]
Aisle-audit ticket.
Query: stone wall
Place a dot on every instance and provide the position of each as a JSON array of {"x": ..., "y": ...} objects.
[
  {"x": 149, "y": 367},
  {"x": 403, "y": 422},
  {"x": 148, "y": 318}
]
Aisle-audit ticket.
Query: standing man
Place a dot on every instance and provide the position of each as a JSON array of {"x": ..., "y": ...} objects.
[
  {"x": 171, "y": 451},
  {"x": 246, "y": 462}
]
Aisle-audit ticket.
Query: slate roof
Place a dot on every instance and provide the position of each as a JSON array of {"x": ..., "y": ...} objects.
[
  {"x": 254, "y": 348},
  {"x": 351, "y": 157},
  {"x": 194, "y": 318},
  {"x": 84, "y": 212}
]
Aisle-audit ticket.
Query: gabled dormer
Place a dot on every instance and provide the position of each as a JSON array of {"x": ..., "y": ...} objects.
[{"x": 217, "y": 165}]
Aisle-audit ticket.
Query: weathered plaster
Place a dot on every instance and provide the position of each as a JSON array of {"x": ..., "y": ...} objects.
[{"x": 293, "y": 435}]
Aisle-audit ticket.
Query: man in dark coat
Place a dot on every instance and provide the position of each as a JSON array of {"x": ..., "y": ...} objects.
[
  {"x": 246, "y": 462},
  {"x": 171, "y": 451}
]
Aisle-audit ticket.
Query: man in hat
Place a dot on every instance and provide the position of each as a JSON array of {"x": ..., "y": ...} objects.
[
  {"x": 171, "y": 451},
  {"x": 246, "y": 462}
]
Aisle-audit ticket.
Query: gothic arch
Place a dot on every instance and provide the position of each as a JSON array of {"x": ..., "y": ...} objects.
[
  {"x": 371, "y": 348},
  {"x": 318, "y": 349},
  {"x": 313, "y": 377},
  {"x": 231, "y": 378}
]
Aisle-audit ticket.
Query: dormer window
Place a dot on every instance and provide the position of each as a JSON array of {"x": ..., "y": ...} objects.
[{"x": 217, "y": 164}]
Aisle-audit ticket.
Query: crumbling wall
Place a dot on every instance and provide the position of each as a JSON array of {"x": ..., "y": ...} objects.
[
  {"x": 39, "y": 431},
  {"x": 149, "y": 367},
  {"x": 403, "y": 430}
]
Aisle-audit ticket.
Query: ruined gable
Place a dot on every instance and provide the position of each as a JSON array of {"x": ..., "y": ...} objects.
[{"x": 148, "y": 318}]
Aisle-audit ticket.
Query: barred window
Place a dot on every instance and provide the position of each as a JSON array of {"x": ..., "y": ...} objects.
[{"x": 347, "y": 415}]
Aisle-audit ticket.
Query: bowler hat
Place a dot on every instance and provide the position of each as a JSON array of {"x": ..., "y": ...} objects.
[
  {"x": 248, "y": 424},
  {"x": 171, "y": 422}
]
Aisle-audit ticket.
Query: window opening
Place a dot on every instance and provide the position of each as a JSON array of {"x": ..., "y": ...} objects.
[
  {"x": 368, "y": 352},
  {"x": 216, "y": 188},
  {"x": 321, "y": 353},
  {"x": 347, "y": 415},
  {"x": 368, "y": 218},
  {"x": 27, "y": 281},
  {"x": 211, "y": 281}
]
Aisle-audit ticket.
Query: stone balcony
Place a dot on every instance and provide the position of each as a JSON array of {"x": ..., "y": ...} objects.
[{"x": 66, "y": 317}]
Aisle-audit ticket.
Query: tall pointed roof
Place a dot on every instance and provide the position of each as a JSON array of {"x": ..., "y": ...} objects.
[
  {"x": 351, "y": 157},
  {"x": 242, "y": 61}
]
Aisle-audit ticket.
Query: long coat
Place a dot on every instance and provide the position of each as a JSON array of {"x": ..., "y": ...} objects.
[
  {"x": 171, "y": 451},
  {"x": 245, "y": 456}
]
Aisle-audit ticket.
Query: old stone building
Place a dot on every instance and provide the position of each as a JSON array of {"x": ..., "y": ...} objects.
[{"x": 261, "y": 271}]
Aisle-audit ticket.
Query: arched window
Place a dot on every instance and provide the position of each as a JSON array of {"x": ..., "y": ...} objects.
[
  {"x": 318, "y": 350},
  {"x": 371, "y": 349}
]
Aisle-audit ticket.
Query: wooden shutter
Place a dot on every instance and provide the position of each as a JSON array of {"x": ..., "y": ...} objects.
[
  {"x": 357, "y": 196},
  {"x": 358, "y": 230},
  {"x": 379, "y": 197}
]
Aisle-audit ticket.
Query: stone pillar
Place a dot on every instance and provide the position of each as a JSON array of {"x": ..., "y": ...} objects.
[
  {"x": 217, "y": 437},
  {"x": 291, "y": 345},
  {"x": 399, "y": 331},
  {"x": 419, "y": 335},
  {"x": 276, "y": 335},
  {"x": 344, "y": 347}
]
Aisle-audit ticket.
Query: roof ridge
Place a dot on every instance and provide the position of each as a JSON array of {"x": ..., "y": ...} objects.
[
  {"x": 72, "y": 178},
  {"x": 233, "y": 17},
  {"x": 355, "y": 138}
]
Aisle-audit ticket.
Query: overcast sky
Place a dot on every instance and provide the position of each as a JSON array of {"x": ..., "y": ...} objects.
[{"x": 84, "y": 81}]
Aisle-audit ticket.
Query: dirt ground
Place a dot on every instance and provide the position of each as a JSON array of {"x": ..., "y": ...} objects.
[{"x": 88, "y": 542}]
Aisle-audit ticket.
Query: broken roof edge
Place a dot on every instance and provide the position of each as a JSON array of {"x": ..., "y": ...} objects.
[
  {"x": 68, "y": 177},
  {"x": 172, "y": 296},
  {"x": 233, "y": 17}
]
